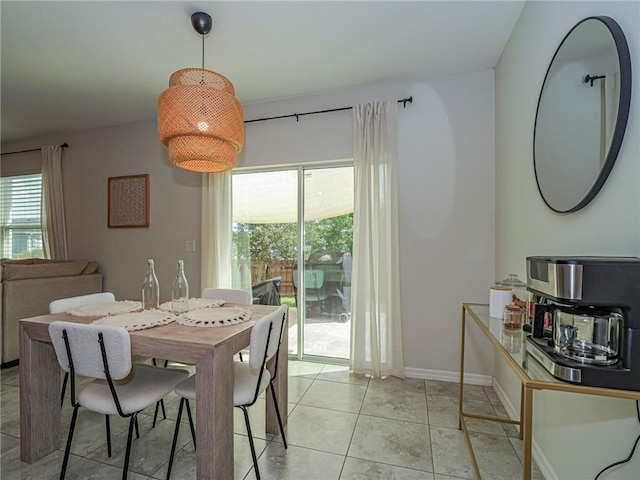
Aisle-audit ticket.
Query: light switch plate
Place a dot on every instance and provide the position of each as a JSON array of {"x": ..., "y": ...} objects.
[{"x": 189, "y": 245}]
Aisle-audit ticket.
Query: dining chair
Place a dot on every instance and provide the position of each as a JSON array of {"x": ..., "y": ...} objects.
[
  {"x": 250, "y": 379},
  {"x": 315, "y": 288},
  {"x": 103, "y": 353},
  {"x": 229, "y": 295},
  {"x": 65, "y": 304}
]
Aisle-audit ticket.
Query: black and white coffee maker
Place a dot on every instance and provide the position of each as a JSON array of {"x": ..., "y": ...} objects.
[{"x": 586, "y": 326}]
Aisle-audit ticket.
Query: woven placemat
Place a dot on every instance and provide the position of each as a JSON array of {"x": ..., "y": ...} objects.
[
  {"x": 214, "y": 317},
  {"x": 197, "y": 304},
  {"x": 138, "y": 320},
  {"x": 103, "y": 309}
]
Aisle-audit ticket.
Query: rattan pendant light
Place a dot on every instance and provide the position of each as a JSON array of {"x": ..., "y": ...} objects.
[{"x": 199, "y": 118}]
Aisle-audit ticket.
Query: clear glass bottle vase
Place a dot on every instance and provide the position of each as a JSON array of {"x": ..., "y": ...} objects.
[
  {"x": 180, "y": 291},
  {"x": 150, "y": 288}
]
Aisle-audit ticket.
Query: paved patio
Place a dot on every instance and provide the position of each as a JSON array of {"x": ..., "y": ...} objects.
[{"x": 325, "y": 335}]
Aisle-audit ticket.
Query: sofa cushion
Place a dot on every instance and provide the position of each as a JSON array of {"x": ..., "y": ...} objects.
[
  {"x": 22, "y": 261},
  {"x": 13, "y": 271},
  {"x": 92, "y": 267}
]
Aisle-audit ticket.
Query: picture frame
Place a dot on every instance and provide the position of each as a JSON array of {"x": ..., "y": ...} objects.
[{"x": 128, "y": 201}]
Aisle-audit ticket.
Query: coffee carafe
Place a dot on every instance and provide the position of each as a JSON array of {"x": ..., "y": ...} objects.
[
  {"x": 587, "y": 335},
  {"x": 586, "y": 326}
]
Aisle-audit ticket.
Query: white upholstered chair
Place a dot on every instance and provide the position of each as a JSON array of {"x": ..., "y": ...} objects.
[
  {"x": 230, "y": 295},
  {"x": 104, "y": 353},
  {"x": 64, "y": 304},
  {"x": 250, "y": 379}
]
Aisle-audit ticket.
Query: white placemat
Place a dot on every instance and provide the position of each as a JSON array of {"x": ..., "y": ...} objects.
[
  {"x": 105, "y": 308},
  {"x": 138, "y": 320},
  {"x": 197, "y": 304},
  {"x": 214, "y": 317}
]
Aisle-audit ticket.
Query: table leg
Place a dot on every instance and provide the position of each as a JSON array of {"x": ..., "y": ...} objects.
[
  {"x": 521, "y": 410},
  {"x": 39, "y": 399},
  {"x": 461, "y": 395},
  {"x": 527, "y": 426},
  {"x": 280, "y": 385},
  {"x": 214, "y": 420}
]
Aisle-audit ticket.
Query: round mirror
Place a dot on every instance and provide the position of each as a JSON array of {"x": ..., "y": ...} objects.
[{"x": 582, "y": 114}]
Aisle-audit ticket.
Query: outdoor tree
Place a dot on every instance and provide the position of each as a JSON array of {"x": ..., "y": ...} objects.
[{"x": 278, "y": 241}]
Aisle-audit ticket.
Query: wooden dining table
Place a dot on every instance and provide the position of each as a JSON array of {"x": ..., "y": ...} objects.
[{"x": 211, "y": 350}]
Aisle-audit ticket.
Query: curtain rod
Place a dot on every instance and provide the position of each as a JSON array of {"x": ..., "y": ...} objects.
[
  {"x": 64, "y": 145},
  {"x": 404, "y": 102}
]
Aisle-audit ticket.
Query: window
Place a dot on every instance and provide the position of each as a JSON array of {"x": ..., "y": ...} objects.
[
  {"x": 299, "y": 216},
  {"x": 20, "y": 225}
]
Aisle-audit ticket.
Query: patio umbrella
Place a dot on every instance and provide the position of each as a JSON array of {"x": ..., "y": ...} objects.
[{"x": 272, "y": 197}]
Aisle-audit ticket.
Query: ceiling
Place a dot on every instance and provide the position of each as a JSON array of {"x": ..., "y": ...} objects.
[{"x": 80, "y": 65}]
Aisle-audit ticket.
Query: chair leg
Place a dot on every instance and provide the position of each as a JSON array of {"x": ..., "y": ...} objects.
[
  {"x": 253, "y": 448},
  {"x": 275, "y": 404},
  {"x": 155, "y": 415},
  {"x": 193, "y": 430},
  {"x": 108, "y": 425},
  {"x": 133, "y": 421},
  {"x": 64, "y": 388},
  {"x": 240, "y": 354},
  {"x": 67, "y": 449},
  {"x": 137, "y": 429},
  {"x": 161, "y": 402},
  {"x": 175, "y": 437}
]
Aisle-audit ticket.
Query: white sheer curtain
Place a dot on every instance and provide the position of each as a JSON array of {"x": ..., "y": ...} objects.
[
  {"x": 54, "y": 230},
  {"x": 376, "y": 334},
  {"x": 216, "y": 230}
]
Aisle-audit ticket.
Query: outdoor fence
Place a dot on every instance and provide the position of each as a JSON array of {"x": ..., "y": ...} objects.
[{"x": 261, "y": 270}]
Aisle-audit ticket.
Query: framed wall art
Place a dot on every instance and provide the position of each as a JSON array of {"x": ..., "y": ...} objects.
[{"x": 128, "y": 203}]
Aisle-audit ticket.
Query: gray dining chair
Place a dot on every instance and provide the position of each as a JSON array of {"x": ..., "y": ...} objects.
[
  {"x": 250, "y": 379},
  {"x": 104, "y": 353}
]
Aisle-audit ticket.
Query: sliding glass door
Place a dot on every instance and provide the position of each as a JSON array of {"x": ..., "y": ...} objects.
[{"x": 293, "y": 237}]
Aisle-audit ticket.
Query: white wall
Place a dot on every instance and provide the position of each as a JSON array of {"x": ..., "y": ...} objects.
[
  {"x": 446, "y": 152},
  {"x": 93, "y": 157},
  {"x": 446, "y": 185},
  {"x": 577, "y": 435}
]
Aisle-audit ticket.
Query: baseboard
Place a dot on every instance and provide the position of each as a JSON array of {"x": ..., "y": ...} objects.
[
  {"x": 486, "y": 380},
  {"x": 12, "y": 363},
  {"x": 447, "y": 376},
  {"x": 513, "y": 412}
]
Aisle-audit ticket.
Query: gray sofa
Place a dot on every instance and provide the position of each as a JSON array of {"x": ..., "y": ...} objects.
[{"x": 27, "y": 286}]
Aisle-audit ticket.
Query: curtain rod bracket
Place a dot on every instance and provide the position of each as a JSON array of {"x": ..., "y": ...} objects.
[
  {"x": 405, "y": 100},
  {"x": 591, "y": 78}
]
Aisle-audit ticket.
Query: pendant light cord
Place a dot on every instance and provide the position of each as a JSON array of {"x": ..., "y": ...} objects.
[{"x": 203, "y": 52}]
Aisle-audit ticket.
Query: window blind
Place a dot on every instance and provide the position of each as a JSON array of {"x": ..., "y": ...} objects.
[{"x": 20, "y": 224}]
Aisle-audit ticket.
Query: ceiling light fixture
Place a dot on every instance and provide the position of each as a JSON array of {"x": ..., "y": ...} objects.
[{"x": 199, "y": 118}]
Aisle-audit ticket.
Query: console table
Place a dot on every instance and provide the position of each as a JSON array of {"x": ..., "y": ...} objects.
[{"x": 532, "y": 376}]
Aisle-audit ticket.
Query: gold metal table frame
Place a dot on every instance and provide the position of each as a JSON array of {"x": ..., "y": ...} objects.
[{"x": 530, "y": 380}]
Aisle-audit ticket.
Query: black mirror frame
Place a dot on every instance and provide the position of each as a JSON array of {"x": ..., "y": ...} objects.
[{"x": 624, "y": 60}]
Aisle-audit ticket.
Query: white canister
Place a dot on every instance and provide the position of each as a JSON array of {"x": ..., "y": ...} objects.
[{"x": 499, "y": 297}]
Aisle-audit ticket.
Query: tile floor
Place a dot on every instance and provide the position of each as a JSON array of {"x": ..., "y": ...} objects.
[{"x": 341, "y": 426}]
